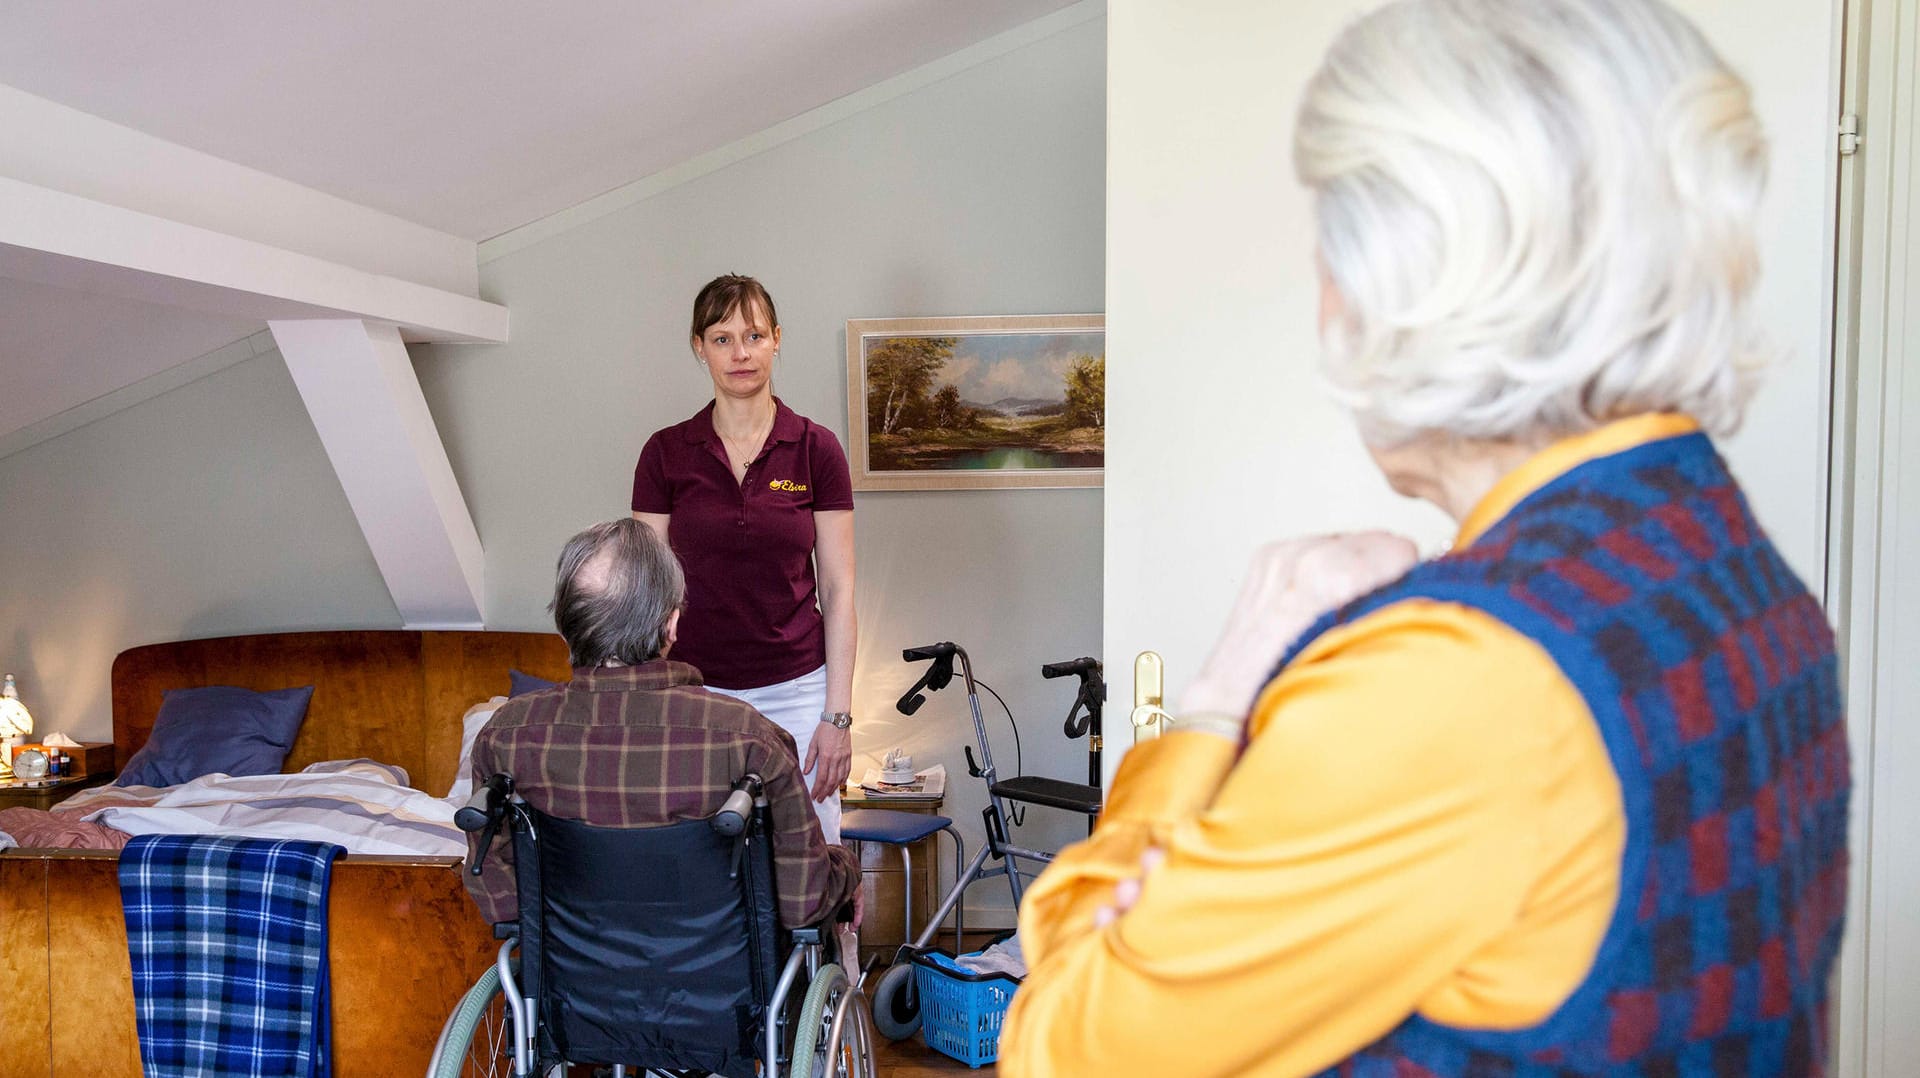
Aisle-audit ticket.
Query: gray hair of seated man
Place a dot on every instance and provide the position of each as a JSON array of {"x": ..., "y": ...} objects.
[
  {"x": 615, "y": 588},
  {"x": 1539, "y": 215}
]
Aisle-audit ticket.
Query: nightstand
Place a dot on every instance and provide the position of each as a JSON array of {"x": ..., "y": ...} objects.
[
  {"x": 884, "y": 882},
  {"x": 48, "y": 792}
]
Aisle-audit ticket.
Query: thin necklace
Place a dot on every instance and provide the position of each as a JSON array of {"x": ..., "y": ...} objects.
[{"x": 741, "y": 457}]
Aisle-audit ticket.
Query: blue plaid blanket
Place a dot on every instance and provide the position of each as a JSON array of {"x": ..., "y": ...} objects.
[{"x": 228, "y": 938}]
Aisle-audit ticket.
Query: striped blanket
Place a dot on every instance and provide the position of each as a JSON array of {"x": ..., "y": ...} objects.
[{"x": 228, "y": 938}]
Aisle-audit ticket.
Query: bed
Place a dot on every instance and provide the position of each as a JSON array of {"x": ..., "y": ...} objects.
[{"x": 405, "y": 940}]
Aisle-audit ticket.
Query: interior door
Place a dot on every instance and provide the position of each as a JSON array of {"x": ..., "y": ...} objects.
[{"x": 1219, "y": 436}]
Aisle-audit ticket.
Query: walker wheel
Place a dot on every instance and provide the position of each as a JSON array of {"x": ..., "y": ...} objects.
[{"x": 896, "y": 1006}]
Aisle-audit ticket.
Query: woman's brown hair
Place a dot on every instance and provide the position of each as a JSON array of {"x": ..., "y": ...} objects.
[{"x": 726, "y": 293}]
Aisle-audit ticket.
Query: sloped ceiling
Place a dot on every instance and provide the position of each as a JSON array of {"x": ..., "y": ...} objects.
[{"x": 472, "y": 116}]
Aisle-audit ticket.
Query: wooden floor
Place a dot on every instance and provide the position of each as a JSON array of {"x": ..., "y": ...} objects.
[{"x": 911, "y": 1058}]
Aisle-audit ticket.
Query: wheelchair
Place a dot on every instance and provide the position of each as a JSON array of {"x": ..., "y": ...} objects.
[{"x": 651, "y": 951}]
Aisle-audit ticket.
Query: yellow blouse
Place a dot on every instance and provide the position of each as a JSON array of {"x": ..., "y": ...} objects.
[{"x": 1425, "y": 821}]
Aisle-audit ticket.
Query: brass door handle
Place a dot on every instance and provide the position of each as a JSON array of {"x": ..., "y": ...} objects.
[{"x": 1149, "y": 692}]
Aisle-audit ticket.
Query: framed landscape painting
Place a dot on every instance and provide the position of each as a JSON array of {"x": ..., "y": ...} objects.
[{"x": 970, "y": 403}]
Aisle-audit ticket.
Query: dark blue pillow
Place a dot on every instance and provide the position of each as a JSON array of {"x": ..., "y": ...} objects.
[
  {"x": 218, "y": 728},
  {"x": 521, "y": 684}
]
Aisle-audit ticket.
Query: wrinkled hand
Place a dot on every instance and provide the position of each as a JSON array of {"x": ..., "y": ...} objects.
[
  {"x": 1127, "y": 891},
  {"x": 859, "y": 907},
  {"x": 830, "y": 759},
  {"x": 1288, "y": 586}
]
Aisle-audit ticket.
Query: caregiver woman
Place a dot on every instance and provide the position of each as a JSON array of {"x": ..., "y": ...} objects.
[{"x": 757, "y": 502}]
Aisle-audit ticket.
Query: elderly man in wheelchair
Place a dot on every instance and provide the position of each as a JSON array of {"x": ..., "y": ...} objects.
[{"x": 647, "y": 855}]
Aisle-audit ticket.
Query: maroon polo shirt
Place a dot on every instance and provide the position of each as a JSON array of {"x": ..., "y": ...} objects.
[{"x": 753, "y": 615}]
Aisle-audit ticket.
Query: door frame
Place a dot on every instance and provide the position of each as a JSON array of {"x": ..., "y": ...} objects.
[{"x": 1876, "y": 318}]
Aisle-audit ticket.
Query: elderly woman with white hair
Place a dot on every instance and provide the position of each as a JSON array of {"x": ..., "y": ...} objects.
[{"x": 1571, "y": 798}]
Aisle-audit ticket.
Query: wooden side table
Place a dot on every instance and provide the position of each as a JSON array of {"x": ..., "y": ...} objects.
[
  {"x": 48, "y": 792},
  {"x": 882, "y": 881}
]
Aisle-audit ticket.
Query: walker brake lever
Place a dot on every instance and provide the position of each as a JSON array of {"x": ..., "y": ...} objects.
[{"x": 1077, "y": 721}]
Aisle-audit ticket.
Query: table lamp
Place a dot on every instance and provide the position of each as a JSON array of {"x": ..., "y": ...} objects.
[{"x": 16, "y": 722}]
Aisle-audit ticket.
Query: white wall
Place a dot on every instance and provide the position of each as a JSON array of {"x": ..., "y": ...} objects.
[
  {"x": 978, "y": 194},
  {"x": 207, "y": 511},
  {"x": 1219, "y": 436}
]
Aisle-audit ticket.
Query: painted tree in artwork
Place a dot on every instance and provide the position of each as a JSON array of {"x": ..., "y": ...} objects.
[
  {"x": 900, "y": 370},
  {"x": 948, "y": 412},
  {"x": 1087, "y": 392}
]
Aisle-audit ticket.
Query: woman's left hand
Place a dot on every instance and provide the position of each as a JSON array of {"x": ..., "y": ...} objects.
[
  {"x": 1126, "y": 892},
  {"x": 1288, "y": 585},
  {"x": 830, "y": 759}
]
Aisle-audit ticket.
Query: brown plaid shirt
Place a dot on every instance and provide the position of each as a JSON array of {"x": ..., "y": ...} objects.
[{"x": 644, "y": 746}]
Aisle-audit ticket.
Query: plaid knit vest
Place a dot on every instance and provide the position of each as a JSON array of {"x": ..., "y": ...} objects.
[{"x": 1711, "y": 673}]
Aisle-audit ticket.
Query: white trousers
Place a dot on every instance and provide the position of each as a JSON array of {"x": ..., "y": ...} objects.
[{"x": 795, "y": 707}]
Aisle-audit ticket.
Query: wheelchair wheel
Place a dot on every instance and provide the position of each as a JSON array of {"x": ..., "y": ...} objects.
[
  {"x": 896, "y": 1004},
  {"x": 817, "y": 1053},
  {"x": 477, "y": 1041}
]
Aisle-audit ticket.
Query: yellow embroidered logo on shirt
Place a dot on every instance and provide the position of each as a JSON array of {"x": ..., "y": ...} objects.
[{"x": 785, "y": 484}]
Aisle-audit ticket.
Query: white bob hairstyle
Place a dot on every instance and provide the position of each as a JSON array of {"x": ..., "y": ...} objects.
[{"x": 1539, "y": 215}]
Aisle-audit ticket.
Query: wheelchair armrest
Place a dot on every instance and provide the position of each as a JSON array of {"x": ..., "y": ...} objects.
[
  {"x": 506, "y": 930},
  {"x": 820, "y": 932}
]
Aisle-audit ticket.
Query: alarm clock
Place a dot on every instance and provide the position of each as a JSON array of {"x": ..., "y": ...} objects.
[{"x": 30, "y": 765}]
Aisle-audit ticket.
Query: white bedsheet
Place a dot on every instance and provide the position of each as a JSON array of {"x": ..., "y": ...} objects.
[{"x": 360, "y": 804}]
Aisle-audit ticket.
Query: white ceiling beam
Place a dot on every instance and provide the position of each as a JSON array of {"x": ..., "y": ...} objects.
[
  {"x": 62, "y": 148},
  {"x": 57, "y": 238},
  {"x": 360, "y": 389}
]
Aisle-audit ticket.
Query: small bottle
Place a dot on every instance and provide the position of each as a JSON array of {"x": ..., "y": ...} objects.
[{"x": 66, "y": 764}]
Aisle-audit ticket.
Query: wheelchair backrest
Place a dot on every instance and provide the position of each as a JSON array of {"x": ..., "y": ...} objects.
[{"x": 646, "y": 946}]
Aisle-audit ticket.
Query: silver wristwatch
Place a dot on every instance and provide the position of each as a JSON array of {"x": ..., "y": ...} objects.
[{"x": 839, "y": 720}]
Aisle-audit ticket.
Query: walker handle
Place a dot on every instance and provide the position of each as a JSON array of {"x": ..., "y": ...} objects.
[
  {"x": 936, "y": 677},
  {"x": 1083, "y": 665}
]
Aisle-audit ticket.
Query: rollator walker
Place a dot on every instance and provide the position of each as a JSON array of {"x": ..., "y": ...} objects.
[{"x": 896, "y": 1007}]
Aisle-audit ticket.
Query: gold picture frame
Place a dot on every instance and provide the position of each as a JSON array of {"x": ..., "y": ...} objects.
[{"x": 977, "y": 403}]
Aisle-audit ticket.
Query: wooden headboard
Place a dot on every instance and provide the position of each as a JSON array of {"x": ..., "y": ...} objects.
[{"x": 395, "y": 696}]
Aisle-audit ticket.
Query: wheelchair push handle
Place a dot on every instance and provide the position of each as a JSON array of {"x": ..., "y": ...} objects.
[
  {"x": 487, "y": 805},
  {"x": 737, "y": 809},
  {"x": 484, "y": 812}
]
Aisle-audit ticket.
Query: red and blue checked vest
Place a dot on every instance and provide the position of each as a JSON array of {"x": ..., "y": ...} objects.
[{"x": 1711, "y": 673}]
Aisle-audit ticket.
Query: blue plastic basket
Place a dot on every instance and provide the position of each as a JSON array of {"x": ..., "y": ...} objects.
[{"x": 961, "y": 1011}]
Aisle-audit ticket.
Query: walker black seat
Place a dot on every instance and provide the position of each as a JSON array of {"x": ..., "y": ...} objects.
[
  {"x": 649, "y": 954},
  {"x": 1053, "y": 793}
]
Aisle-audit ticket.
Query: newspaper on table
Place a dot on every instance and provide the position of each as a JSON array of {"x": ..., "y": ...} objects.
[{"x": 927, "y": 782}]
